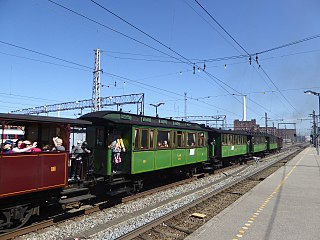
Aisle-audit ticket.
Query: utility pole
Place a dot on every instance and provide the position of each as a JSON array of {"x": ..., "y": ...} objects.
[
  {"x": 266, "y": 116},
  {"x": 185, "y": 106},
  {"x": 96, "y": 100},
  {"x": 315, "y": 132}
]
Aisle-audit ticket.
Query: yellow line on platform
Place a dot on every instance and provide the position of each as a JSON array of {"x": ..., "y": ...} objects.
[{"x": 255, "y": 214}]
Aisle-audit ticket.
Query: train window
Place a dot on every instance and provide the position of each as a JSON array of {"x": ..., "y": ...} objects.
[
  {"x": 144, "y": 139},
  {"x": 191, "y": 139},
  {"x": 180, "y": 139},
  {"x": 163, "y": 139},
  {"x": 136, "y": 139},
  {"x": 225, "y": 139},
  {"x": 151, "y": 137},
  {"x": 100, "y": 137},
  {"x": 174, "y": 140},
  {"x": 201, "y": 139}
]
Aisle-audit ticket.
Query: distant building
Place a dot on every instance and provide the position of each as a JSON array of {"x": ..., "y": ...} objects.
[
  {"x": 271, "y": 130},
  {"x": 288, "y": 135},
  {"x": 251, "y": 126}
]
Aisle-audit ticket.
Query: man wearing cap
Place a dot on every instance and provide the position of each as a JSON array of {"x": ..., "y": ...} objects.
[
  {"x": 7, "y": 146},
  {"x": 76, "y": 166}
]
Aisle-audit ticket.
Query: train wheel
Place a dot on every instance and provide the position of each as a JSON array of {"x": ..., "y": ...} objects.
[
  {"x": 137, "y": 186},
  {"x": 16, "y": 217},
  {"x": 191, "y": 172}
]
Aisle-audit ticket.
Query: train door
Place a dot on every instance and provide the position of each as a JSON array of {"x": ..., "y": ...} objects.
[{"x": 120, "y": 137}]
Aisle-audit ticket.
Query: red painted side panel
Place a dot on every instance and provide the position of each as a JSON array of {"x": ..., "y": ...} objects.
[
  {"x": 25, "y": 173},
  {"x": 53, "y": 169}
]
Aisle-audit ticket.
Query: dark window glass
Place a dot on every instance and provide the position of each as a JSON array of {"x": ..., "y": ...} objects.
[
  {"x": 100, "y": 137},
  {"x": 151, "y": 138},
  {"x": 191, "y": 139},
  {"x": 201, "y": 139},
  {"x": 136, "y": 139},
  {"x": 179, "y": 139},
  {"x": 144, "y": 139},
  {"x": 163, "y": 139}
]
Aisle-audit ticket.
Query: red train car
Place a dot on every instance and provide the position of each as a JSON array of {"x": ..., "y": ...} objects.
[{"x": 30, "y": 180}]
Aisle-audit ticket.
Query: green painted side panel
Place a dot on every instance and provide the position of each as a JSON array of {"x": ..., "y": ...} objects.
[
  {"x": 229, "y": 151},
  {"x": 259, "y": 147},
  {"x": 212, "y": 150},
  {"x": 109, "y": 162},
  {"x": 202, "y": 154},
  {"x": 162, "y": 159},
  {"x": 102, "y": 161},
  {"x": 191, "y": 155},
  {"x": 178, "y": 157},
  {"x": 273, "y": 146},
  {"x": 142, "y": 162}
]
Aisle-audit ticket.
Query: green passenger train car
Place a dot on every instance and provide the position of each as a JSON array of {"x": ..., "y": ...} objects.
[
  {"x": 272, "y": 143},
  {"x": 229, "y": 145},
  {"x": 151, "y": 144},
  {"x": 259, "y": 144}
]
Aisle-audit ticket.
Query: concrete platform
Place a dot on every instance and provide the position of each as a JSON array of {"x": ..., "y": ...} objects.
[{"x": 286, "y": 205}]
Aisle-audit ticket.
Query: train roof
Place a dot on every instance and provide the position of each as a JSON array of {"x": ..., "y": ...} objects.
[
  {"x": 101, "y": 117},
  {"x": 22, "y": 119},
  {"x": 240, "y": 132},
  {"x": 229, "y": 131}
]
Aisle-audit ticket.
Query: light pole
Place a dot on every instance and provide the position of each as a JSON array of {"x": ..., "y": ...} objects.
[
  {"x": 314, "y": 93},
  {"x": 317, "y": 130},
  {"x": 156, "y": 106}
]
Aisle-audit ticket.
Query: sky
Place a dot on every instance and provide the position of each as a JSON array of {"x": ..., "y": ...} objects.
[{"x": 165, "y": 49}]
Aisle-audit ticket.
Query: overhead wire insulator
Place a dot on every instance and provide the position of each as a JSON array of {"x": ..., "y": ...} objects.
[
  {"x": 250, "y": 60},
  {"x": 194, "y": 70},
  {"x": 204, "y": 66}
]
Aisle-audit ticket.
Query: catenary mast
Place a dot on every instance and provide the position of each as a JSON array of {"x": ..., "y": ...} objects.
[{"x": 96, "y": 100}]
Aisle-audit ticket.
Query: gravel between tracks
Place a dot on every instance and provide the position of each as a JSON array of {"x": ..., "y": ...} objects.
[{"x": 114, "y": 222}]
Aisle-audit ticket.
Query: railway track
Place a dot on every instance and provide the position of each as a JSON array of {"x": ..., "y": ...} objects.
[
  {"x": 184, "y": 221},
  {"x": 85, "y": 210},
  {"x": 162, "y": 222}
]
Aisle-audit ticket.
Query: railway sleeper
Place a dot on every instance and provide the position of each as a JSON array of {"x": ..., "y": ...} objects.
[
  {"x": 181, "y": 229},
  {"x": 167, "y": 234}
]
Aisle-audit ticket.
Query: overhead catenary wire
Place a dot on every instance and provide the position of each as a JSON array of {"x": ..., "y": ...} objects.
[
  {"x": 162, "y": 44},
  {"x": 250, "y": 55},
  {"x": 44, "y": 54},
  {"x": 111, "y": 29},
  {"x": 64, "y": 60}
]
